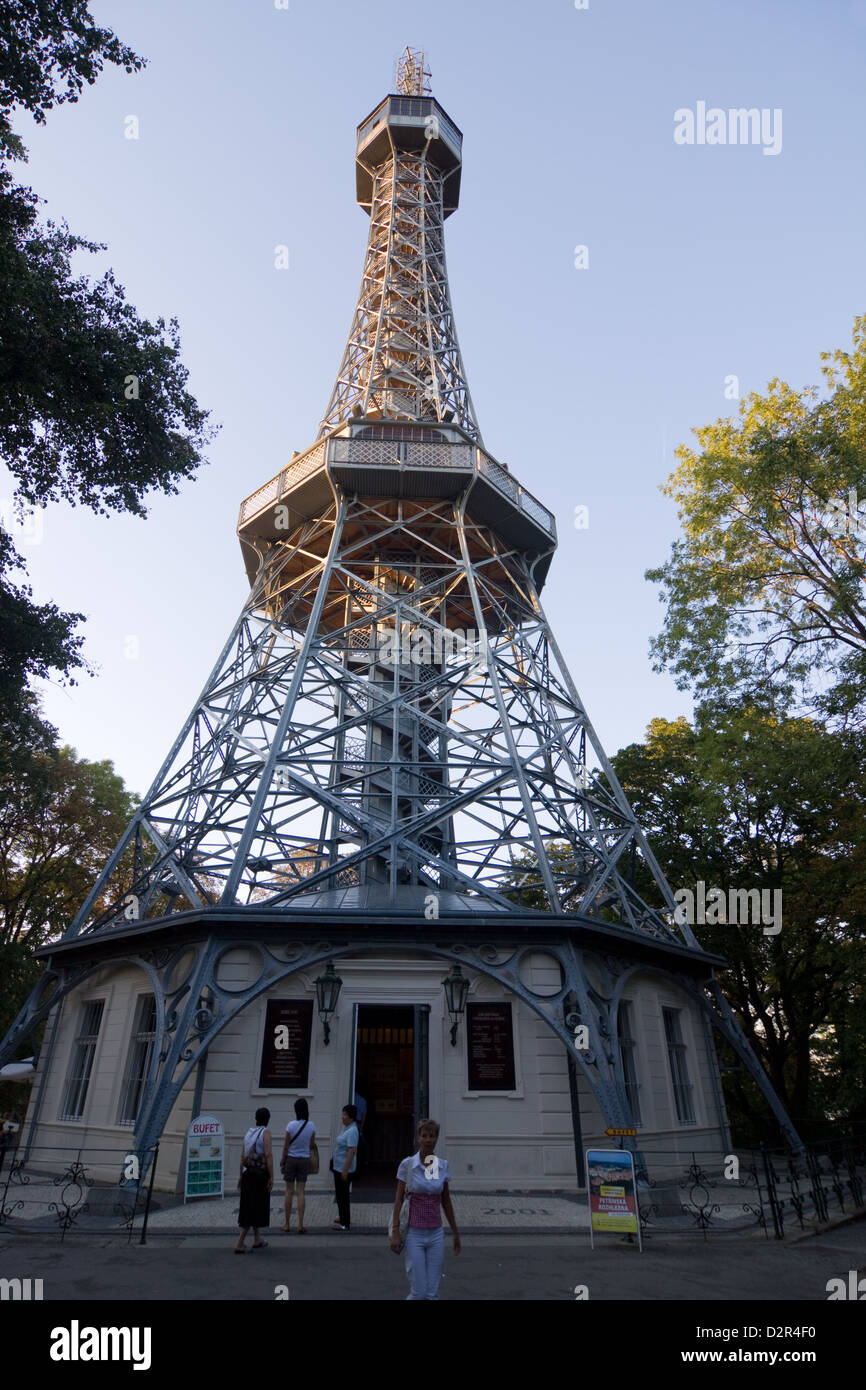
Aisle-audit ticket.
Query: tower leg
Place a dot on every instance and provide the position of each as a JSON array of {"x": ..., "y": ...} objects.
[{"x": 723, "y": 1018}]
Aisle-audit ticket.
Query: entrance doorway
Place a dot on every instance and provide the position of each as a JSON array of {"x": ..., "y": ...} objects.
[{"x": 390, "y": 1075}]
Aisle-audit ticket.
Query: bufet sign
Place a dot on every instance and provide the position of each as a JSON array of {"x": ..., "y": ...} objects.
[{"x": 205, "y": 1158}]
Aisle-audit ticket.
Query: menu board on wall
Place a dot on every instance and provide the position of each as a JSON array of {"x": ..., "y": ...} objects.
[
  {"x": 286, "y": 1044},
  {"x": 491, "y": 1047}
]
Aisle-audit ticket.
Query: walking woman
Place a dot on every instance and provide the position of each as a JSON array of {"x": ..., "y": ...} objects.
[
  {"x": 343, "y": 1164},
  {"x": 255, "y": 1182},
  {"x": 425, "y": 1178},
  {"x": 295, "y": 1162}
]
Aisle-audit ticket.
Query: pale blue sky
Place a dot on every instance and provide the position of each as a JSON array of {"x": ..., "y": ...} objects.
[{"x": 704, "y": 262}]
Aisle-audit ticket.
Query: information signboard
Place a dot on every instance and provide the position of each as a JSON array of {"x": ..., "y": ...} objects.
[
  {"x": 491, "y": 1047},
  {"x": 612, "y": 1191},
  {"x": 205, "y": 1158},
  {"x": 286, "y": 1044}
]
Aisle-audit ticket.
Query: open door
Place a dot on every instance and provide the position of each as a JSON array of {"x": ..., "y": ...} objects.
[{"x": 386, "y": 1075}]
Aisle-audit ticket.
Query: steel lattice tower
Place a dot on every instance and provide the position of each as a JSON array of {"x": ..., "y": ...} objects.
[{"x": 390, "y": 745}]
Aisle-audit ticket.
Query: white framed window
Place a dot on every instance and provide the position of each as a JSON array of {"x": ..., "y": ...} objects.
[
  {"x": 628, "y": 1050},
  {"x": 138, "y": 1059},
  {"x": 81, "y": 1060},
  {"x": 679, "y": 1066}
]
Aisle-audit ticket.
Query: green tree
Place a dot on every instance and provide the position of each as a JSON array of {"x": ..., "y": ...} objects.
[
  {"x": 60, "y": 818},
  {"x": 748, "y": 799},
  {"x": 36, "y": 640},
  {"x": 47, "y": 53},
  {"x": 528, "y": 888},
  {"x": 94, "y": 408},
  {"x": 766, "y": 585}
]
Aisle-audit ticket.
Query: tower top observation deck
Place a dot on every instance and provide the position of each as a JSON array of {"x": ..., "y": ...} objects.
[{"x": 409, "y": 121}]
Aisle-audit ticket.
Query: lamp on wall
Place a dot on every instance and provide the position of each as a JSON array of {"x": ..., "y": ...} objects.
[
  {"x": 328, "y": 988},
  {"x": 456, "y": 988}
]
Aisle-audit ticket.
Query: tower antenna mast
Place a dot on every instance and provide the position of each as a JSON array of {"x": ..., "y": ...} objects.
[{"x": 413, "y": 79}]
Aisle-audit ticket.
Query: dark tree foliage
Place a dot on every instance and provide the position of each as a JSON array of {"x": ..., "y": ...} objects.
[
  {"x": 746, "y": 798},
  {"x": 94, "y": 408},
  {"x": 766, "y": 587},
  {"x": 750, "y": 799},
  {"x": 93, "y": 401},
  {"x": 36, "y": 640},
  {"x": 48, "y": 50},
  {"x": 60, "y": 818}
]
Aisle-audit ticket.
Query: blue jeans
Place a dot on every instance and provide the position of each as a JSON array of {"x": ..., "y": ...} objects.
[{"x": 425, "y": 1254}]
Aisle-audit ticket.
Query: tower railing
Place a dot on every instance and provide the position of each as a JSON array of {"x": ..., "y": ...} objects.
[
  {"x": 412, "y": 453},
  {"x": 384, "y": 453}
]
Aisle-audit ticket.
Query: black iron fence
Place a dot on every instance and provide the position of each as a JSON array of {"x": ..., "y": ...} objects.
[
  {"x": 680, "y": 1192},
  {"x": 92, "y": 1190},
  {"x": 758, "y": 1190}
]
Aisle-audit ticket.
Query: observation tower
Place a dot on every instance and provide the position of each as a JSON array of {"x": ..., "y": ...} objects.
[{"x": 389, "y": 773}]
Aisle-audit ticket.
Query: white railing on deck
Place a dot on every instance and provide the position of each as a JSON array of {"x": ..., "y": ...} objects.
[{"x": 399, "y": 453}]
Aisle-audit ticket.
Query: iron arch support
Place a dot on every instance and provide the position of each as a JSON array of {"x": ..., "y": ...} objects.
[
  {"x": 720, "y": 1014},
  {"x": 33, "y": 1013}
]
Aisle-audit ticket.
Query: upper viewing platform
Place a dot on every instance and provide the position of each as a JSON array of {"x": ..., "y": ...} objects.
[
  {"x": 383, "y": 459},
  {"x": 409, "y": 124}
]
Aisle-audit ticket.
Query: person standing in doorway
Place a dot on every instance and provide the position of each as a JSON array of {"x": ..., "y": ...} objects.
[
  {"x": 256, "y": 1181},
  {"x": 295, "y": 1162},
  {"x": 425, "y": 1177},
  {"x": 343, "y": 1164}
]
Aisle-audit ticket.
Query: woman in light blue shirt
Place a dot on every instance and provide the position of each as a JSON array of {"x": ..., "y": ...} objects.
[{"x": 343, "y": 1164}]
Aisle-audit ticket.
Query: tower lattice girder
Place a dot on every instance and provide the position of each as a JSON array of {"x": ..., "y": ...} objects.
[
  {"x": 392, "y": 711},
  {"x": 402, "y": 359}
]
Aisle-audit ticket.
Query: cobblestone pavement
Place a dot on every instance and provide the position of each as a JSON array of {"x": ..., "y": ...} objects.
[
  {"x": 371, "y": 1212},
  {"x": 475, "y": 1212}
]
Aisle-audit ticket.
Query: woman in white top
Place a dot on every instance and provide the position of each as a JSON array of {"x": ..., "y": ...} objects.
[
  {"x": 295, "y": 1162},
  {"x": 424, "y": 1177}
]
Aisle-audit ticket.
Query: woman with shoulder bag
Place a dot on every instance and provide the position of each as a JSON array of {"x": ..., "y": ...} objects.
[
  {"x": 296, "y": 1163},
  {"x": 256, "y": 1181}
]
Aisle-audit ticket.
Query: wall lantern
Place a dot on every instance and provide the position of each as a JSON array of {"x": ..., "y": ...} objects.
[
  {"x": 456, "y": 988},
  {"x": 328, "y": 988}
]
